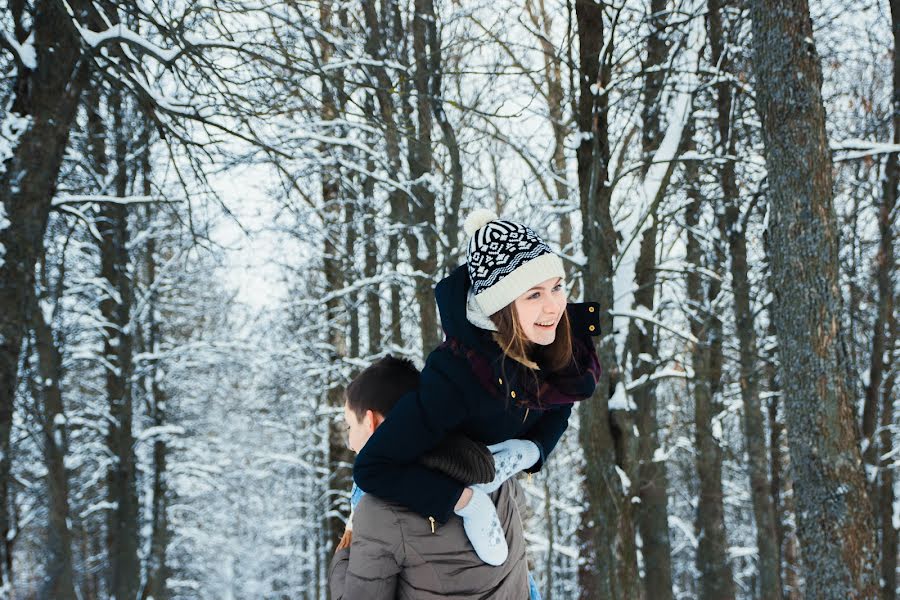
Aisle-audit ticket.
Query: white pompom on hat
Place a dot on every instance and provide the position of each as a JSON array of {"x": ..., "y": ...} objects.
[
  {"x": 505, "y": 259},
  {"x": 477, "y": 219}
]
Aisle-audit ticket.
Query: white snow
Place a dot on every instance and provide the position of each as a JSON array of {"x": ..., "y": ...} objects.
[
  {"x": 4, "y": 223},
  {"x": 120, "y": 32},
  {"x": 626, "y": 481},
  {"x": 851, "y": 149},
  {"x": 24, "y": 51}
]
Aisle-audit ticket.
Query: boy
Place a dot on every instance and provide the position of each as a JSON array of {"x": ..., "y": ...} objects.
[{"x": 389, "y": 552}]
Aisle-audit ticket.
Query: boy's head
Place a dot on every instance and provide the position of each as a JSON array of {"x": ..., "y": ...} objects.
[{"x": 373, "y": 393}]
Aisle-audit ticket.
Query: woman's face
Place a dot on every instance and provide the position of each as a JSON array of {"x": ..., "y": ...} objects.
[{"x": 540, "y": 309}]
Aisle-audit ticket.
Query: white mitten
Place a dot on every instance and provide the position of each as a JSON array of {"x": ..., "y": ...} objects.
[
  {"x": 510, "y": 457},
  {"x": 482, "y": 526}
]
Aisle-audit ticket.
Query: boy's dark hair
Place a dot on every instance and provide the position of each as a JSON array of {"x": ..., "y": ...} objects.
[{"x": 381, "y": 385}]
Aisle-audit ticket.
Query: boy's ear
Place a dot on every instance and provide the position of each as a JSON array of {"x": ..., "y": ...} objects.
[
  {"x": 369, "y": 421},
  {"x": 373, "y": 419}
]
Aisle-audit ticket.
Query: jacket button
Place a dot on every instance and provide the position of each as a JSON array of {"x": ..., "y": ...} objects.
[
  {"x": 590, "y": 309},
  {"x": 513, "y": 394},
  {"x": 591, "y": 328},
  {"x": 500, "y": 381}
]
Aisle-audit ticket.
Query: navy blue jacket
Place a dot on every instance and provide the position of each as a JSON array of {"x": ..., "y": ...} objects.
[{"x": 450, "y": 397}]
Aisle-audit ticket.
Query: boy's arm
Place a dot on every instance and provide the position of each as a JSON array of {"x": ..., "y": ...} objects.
[{"x": 368, "y": 568}]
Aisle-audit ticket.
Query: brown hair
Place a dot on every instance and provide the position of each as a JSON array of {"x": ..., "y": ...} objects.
[
  {"x": 515, "y": 344},
  {"x": 381, "y": 385}
]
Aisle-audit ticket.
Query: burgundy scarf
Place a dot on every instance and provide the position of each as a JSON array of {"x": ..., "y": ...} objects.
[{"x": 534, "y": 389}]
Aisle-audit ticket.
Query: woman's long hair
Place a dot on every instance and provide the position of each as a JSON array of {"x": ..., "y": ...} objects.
[{"x": 515, "y": 344}]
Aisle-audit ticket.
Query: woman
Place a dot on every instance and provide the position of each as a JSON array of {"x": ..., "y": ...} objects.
[{"x": 515, "y": 359}]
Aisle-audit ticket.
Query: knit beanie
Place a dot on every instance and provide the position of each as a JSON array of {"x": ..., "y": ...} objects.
[
  {"x": 505, "y": 259},
  {"x": 462, "y": 458}
]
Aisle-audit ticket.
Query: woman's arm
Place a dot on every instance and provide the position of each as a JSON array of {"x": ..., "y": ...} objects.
[
  {"x": 386, "y": 465},
  {"x": 547, "y": 432}
]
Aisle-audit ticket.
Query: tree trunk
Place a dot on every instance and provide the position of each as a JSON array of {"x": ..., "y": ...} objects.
[
  {"x": 58, "y": 581},
  {"x": 340, "y": 456},
  {"x": 452, "y": 252},
  {"x": 716, "y": 578},
  {"x": 157, "y": 565},
  {"x": 836, "y": 529},
  {"x": 123, "y": 531},
  {"x": 376, "y": 49},
  {"x": 47, "y": 100},
  {"x": 769, "y": 565},
  {"x": 351, "y": 303},
  {"x": 370, "y": 263},
  {"x": 653, "y": 520},
  {"x": 422, "y": 237},
  {"x": 603, "y": 494}
]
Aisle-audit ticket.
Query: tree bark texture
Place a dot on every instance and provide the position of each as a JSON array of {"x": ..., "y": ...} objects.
[
  {"x": 47, "y": 98},
  {"x": 597, "y": 532},
  {"x": 836, "y": 529}
]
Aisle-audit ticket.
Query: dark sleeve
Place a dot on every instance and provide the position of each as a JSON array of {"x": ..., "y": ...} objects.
[
  {"x": 547, "y": 431},
  {"x": 369, "y": 568},
  {"x": 386, "y": 466}
]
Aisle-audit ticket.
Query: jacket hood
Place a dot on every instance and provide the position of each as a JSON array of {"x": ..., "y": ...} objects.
[{"x": 451, "y": 294}]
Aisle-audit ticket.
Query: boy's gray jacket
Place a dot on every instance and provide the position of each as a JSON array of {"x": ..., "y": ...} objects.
[{"x": 395, "y": 556}]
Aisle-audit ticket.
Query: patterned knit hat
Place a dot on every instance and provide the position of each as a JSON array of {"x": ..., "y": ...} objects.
[{"x": 505, "y": 260}]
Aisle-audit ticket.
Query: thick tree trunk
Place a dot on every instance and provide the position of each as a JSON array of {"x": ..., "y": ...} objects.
[
  {"x": 603, "y": 494},
  {"x": 58, "y": 583},
  {"x": 46, "y": 98},
  {"x": 836, "y": 529},
  {"x": 716, "y": 578},
  {"x": 769, "y": 565}
]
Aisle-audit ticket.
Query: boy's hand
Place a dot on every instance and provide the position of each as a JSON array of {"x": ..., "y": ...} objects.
[{"x": 346, "y": 539}]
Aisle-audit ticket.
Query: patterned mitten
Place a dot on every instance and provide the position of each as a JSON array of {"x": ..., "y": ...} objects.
[
  {"x": 483, "y": 529},
  {"x": 510, "y": 457}
]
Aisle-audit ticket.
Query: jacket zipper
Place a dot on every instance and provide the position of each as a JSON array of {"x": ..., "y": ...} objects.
[{"x": 432, "y": 524}]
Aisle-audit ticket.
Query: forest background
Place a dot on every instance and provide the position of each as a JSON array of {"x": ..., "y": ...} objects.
[{"x": 214, "y": 213}]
